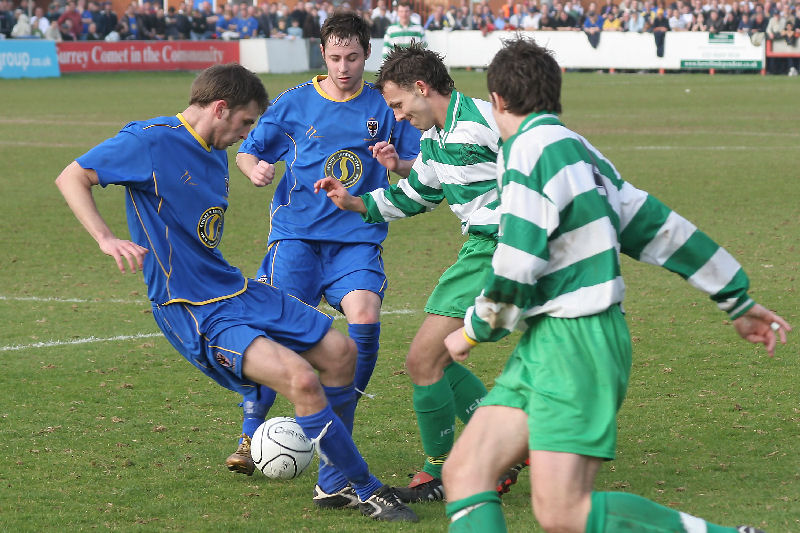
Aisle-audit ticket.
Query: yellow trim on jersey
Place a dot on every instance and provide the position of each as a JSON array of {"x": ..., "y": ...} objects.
[
  {"x": 325, "y": 95},
  {"x": 194, "y": 133},
  {"x": 212, "y": 300},
  {"x": 294, "y": 185},
  {"x": 144, "y": 228}
]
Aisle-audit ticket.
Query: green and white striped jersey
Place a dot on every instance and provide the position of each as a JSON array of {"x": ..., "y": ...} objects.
[
  {"x": 397, "y": 35},
  {"x": 457, "y": 163},
  {"x": 565, "y": 216}
]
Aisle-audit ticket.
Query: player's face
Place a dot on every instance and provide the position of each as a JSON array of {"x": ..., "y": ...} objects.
[
  {"x": 404, "y": 15},
  {"x": 410, "y": 105},
  {"x": 234, "y": 125},
  {"x": 345, "y": 60}
]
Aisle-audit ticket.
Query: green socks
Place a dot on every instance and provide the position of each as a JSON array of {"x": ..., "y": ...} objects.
[
  {"x": 619, "y": 512},
  {"x": 479, "y": 513},
  {"x": 436, "y": 419},
  {"x": 458, "y": 393},
  {"x": 468, "y": 390}
]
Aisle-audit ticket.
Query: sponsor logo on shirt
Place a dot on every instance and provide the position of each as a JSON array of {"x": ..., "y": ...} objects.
[
  {"x": 345, "y": 166},
  {"x": 209, "y": 227}
]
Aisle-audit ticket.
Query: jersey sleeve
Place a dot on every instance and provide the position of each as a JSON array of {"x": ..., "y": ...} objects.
[
  {"x": 122, "y": 160},
  {"x": 527, "y": 218},
  {"x": 653, "y": 233},
  {"x": 418, "y": 193},
  {"x": 267, "y": 141},
  {"x": 405, "y": 138}
]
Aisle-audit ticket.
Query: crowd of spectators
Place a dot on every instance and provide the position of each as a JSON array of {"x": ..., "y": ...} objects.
[{"x": 95, "y": 20}]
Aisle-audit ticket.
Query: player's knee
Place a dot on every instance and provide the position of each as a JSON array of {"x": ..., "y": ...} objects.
[
  {"x": 556, "y": 515},
  {"x": 340, "y": 353},
  {"x": 424, "y": 365},
  {"x": 304, "y": 383}
]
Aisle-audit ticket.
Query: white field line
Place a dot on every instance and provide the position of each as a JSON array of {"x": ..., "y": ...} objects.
[{"x": 86, "y": 340}]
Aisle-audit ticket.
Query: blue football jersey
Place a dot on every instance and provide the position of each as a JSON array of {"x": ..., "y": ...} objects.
[
  {"x": 176, "y": 197},
  {"x": 317, "y": 136}
]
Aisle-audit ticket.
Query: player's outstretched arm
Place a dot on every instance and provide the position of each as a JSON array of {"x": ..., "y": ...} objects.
[
  {"x": 259, "y": 172},
  {"x": 339, "y": 195},
  {"x": 759, "y": 325},
  {"x": 75, "y": 184}
]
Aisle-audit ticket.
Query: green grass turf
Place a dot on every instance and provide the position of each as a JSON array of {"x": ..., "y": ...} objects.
[{"x": 125, "y": 435}]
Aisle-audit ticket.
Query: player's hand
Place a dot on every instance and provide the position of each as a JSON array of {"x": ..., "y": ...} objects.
[
  {"x": 262, "y": 174},
  {"x": 756, "y": 326},
  {"x": 124, "y": 251},
  {"x": 339, "y": 195},
  {"x": 456, "y": 343},
  {"x": 386, "y": 155}
]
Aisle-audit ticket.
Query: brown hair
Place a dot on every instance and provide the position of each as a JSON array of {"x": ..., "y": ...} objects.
[
  {"x": 527, "y": 76},
  {"x": 230, "y": 82}
]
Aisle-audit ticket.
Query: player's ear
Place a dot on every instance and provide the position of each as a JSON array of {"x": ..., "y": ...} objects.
[
  {"x": 369, "y": 51},
  {"x": 498, "y": 104},
  {"x": 219, "y": 107}
]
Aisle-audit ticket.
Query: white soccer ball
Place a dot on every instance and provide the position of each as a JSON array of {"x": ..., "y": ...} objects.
[{"x": 280, "y": 449}]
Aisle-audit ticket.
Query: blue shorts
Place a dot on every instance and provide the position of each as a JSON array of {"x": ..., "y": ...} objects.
[
  {"x": 214, "y": 336},
  {"x": 310, "y": 270}
]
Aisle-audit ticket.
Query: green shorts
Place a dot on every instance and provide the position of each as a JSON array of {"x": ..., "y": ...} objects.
[
  {"x": 464, "y": 280},
  {"x": 570, "y": 376}
]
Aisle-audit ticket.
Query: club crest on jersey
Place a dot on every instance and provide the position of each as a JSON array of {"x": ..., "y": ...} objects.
[
  {"x": 372, "y": 127},
  {"x": 345, "y": 166},
  {"x": 209, "y": 227}
]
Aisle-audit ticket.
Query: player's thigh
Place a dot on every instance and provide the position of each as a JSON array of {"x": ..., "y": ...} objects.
[
  {"x": 350, "y": 270},
  {"x": 294, "y": 266},
  {"x": 335, "y": 359},
  {"x": 427, "y": 356},
  {"x": 495, "y": 437},
  {"x": 272, "y": 364}
]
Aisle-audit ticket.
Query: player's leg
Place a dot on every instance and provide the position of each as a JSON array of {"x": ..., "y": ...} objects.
[
  {"x": 362, "y": 309},
  {"x": 318, "y": 400},
  {"x": 484, "y": 450},
  {"x": 444, "y": 389},
  {"x": 434, "y": 404},
  {"x": 254, "y": 412},
  {"x": 271, "y": 271},
  {"x": 354, "y": 283}
]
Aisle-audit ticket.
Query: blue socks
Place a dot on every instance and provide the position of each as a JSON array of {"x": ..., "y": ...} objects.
[
  {"x": 335, "y": 443},
  {"x": 366, "y": 337},
  {"x": 254, "y": 413}
]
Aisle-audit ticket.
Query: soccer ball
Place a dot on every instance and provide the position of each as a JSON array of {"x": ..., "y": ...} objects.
[{"x": 280, "y": 449}]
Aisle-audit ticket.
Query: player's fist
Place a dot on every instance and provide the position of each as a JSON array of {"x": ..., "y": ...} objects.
[
  {"x": 458, "y": 345},
  {"x": 262, "y": 174}
]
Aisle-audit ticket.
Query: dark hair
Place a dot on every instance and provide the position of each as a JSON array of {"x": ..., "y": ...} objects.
[
  {"x": 405, "y": 65},
  {"x": 230, "y": 82},
  {"x": 527, "y": 77},
  {"x": 343, "y": 25}
]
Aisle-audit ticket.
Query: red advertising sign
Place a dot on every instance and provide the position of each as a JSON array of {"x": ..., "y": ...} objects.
[{"x": 100, "y": 56}]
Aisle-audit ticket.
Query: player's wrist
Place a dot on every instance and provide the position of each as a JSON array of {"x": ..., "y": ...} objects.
[{"x": 470, "y": 340}]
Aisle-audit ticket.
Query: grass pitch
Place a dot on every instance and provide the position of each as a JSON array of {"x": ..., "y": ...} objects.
[{"x": 105, "y": 426}]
